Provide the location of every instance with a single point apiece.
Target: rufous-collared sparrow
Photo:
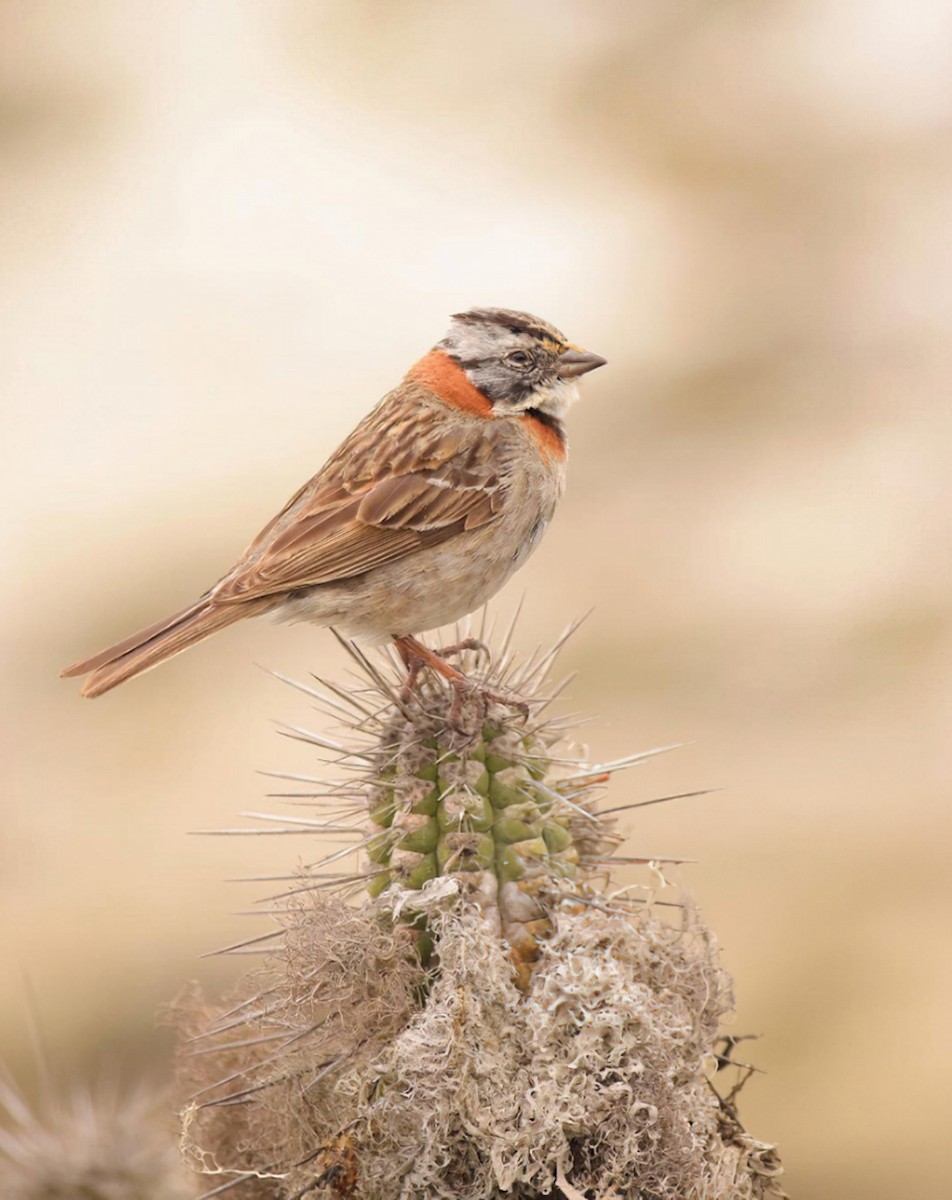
(424, 512)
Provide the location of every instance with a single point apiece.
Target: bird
(421, 515)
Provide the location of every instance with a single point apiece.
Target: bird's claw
(461, 647)
(416, 656)
(466, 689)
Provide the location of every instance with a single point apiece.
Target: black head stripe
(516, 322)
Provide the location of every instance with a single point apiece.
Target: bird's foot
(469, 643)
(467, 693)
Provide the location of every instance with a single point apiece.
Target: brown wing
(397, 484)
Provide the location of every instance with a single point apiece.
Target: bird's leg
(413, 668)
(416, 656)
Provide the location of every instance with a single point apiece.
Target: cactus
(483, 810)
(490, 1018)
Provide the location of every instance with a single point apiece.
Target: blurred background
(227, 227)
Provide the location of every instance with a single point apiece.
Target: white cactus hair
(354, 1063)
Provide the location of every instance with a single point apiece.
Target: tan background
(227, 227)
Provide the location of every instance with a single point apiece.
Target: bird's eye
(519, 358)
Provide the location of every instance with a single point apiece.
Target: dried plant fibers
(492, 1020)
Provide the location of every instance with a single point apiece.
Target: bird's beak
(575, 361)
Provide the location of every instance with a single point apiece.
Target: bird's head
(520, 363)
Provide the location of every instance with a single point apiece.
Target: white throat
(556, 398)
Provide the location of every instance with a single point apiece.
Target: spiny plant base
(492, 1019)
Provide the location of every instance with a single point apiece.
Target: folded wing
(341, 525)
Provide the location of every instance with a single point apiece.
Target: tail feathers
(156, 643)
